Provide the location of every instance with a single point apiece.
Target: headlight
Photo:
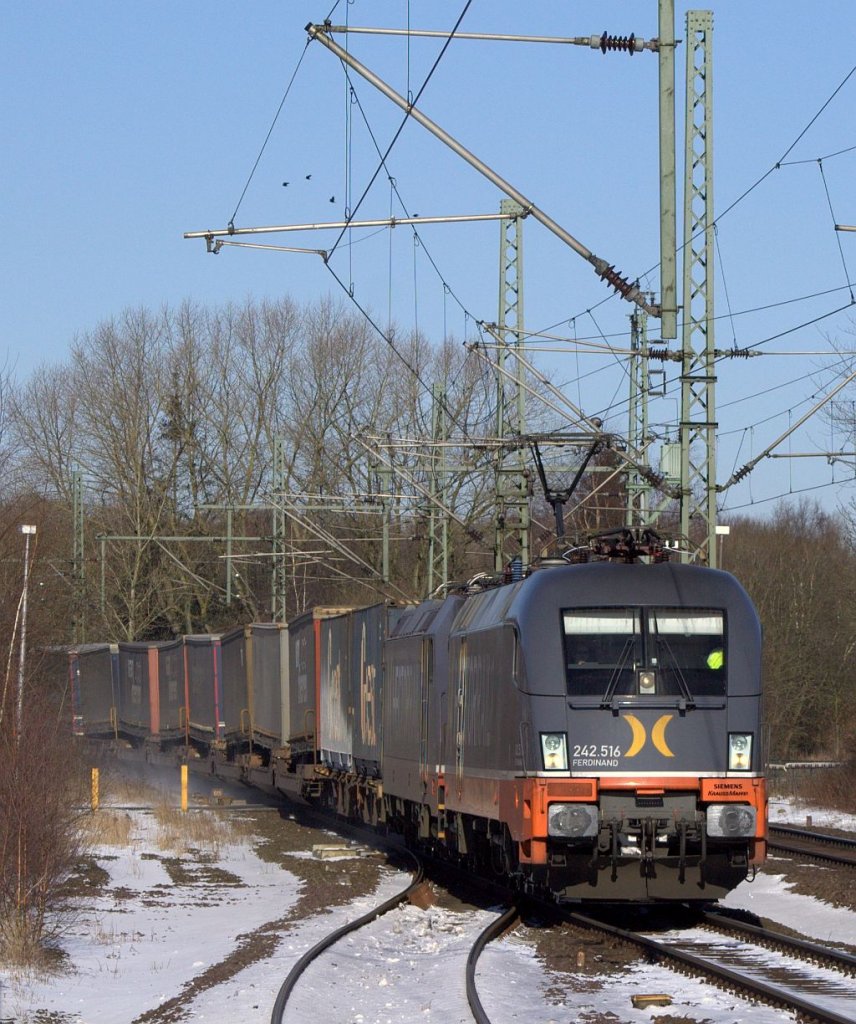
(554, 748)
(739, 751)
(730, 821)
(572, 821)
(647, 682)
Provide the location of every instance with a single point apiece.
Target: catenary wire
(404, 121)
(447, 289)
(394, 187)
(829, 156)
(776, 166)
(729, 314)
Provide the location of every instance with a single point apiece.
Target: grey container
(369, 629)
(337, 709)
(267, 679)
(151, 689)
(202, 656)
(235, 702)
(95, 691)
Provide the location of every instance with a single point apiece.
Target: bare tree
(801, 572)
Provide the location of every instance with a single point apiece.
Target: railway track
(319, 948)
(495, 928)
(688, 956)
(736, 968)
(820, 846)
(824, 956)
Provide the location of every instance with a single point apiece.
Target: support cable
(270, 132)
(730, 314)
(387, 337)
(834, 222)
(398, 195)
(778, 497)
(769, 391)
(447, 288)
(829, 156)
(404, 121)
(781, 162)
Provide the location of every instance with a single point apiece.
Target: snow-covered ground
(153, 930)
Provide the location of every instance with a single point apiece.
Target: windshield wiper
(682, 683)
(609, 696)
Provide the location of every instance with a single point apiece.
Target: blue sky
(127, 124)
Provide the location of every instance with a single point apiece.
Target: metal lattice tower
(438, 520)
(668, 233)
(78, 569)
(698, 422)
(638, 488)
(279, 579)
(511, 522)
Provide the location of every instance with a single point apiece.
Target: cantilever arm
(604, 270)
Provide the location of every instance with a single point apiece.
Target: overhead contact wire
(394, 186)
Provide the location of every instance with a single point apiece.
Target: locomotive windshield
(645, 651)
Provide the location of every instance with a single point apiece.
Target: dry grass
(177, 831)
(180, 832)
(117, 788)
(106, 827)
(20, 947)
(832, 787)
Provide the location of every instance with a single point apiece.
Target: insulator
(614, 279)
(608, 42)
(665, 354)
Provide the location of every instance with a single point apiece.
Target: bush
(42, 796)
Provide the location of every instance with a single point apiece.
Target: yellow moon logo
(638, 730)
(658, 735)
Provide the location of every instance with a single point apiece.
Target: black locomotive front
(634, 695)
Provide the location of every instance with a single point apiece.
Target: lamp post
(722, 532)
(28, 531)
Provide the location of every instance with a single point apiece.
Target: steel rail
(810, 845)
(734, 979)
(819, 837)
(294, 974)
(493, 930)
(845, 962)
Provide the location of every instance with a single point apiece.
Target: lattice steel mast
(511, 517)
(438, 520)
(698, 382)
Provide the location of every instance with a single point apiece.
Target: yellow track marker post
(184, 787)
(95, 795)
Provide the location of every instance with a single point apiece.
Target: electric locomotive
(592, 731)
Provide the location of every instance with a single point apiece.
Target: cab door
(459, 718)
